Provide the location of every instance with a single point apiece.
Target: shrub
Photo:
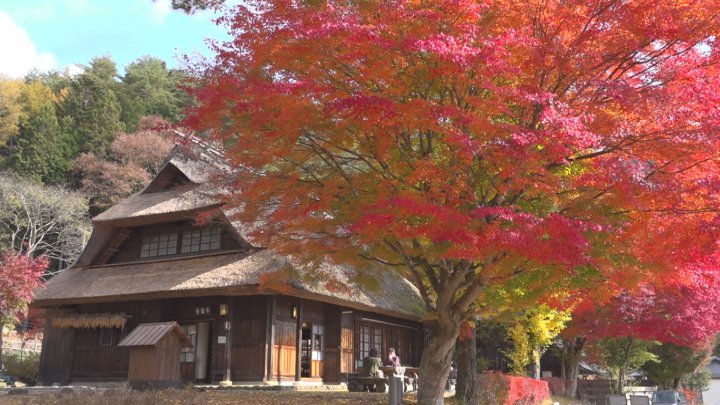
(556, 385)
(25, 368)
(497, 388)
(527, 391)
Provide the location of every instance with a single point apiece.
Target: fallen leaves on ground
(195, 397)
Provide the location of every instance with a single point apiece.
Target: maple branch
(419, 283)
(382, 261)
(430, 273)
(472, 292)
(328, 157)
(698, 163)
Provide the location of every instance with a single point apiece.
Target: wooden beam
(113, 245)
(269, 337)
(205, 292)
(298, 340)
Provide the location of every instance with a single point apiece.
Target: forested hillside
(49, 119)
(72, 145)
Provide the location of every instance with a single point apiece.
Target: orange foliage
(481, 148)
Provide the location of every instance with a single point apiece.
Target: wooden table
(390, 370)
(410, 377)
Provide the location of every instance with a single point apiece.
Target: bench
(357, 383)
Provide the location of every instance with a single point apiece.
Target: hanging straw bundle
(90, 321)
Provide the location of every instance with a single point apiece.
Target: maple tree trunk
(436, 359)
(2, 344)
(572, 382)
(466, 350)
(572, 353)
(621, 372)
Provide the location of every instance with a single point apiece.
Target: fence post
(395, 393)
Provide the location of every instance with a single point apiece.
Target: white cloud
(74, 69)
(19, 55)
(160, 10)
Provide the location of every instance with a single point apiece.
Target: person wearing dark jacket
(371, 368)
(371, 364)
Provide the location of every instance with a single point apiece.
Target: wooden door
(347, 345)
(284, 349)
(317, 344)
(202, 351)
(187, 354)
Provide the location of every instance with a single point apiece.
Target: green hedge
(24, 367)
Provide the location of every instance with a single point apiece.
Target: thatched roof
(181, 199)
(218, 274)
(223, 274)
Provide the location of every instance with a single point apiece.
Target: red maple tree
(680, 309)
(20, 276)
(473, 146)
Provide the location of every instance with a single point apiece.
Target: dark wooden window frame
(159, 247)
(204, 239)
(188, 354)
(210, 245)
(382, 336)
(107, 337)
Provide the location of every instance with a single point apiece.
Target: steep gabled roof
(213, 274)
(196, 161)
(181, 199)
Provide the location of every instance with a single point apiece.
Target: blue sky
(57, 34)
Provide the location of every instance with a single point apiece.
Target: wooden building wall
(57, 353)
(264, 338)
(96, 355)
(333, 344)
(248, 338)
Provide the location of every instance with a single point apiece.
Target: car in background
(11, 381)
(669, 398)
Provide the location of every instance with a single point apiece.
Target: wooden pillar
(298, 340)
(269, 337)
(228, 338)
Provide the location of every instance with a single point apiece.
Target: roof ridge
(194, 140)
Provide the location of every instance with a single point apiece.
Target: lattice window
(107, 337)
(201, 240)
(317, 342)
(399, 339)
(159, 245)
(187, 354)
(368, 337)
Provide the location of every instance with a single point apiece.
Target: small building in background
(712, 395)
(155, 355)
